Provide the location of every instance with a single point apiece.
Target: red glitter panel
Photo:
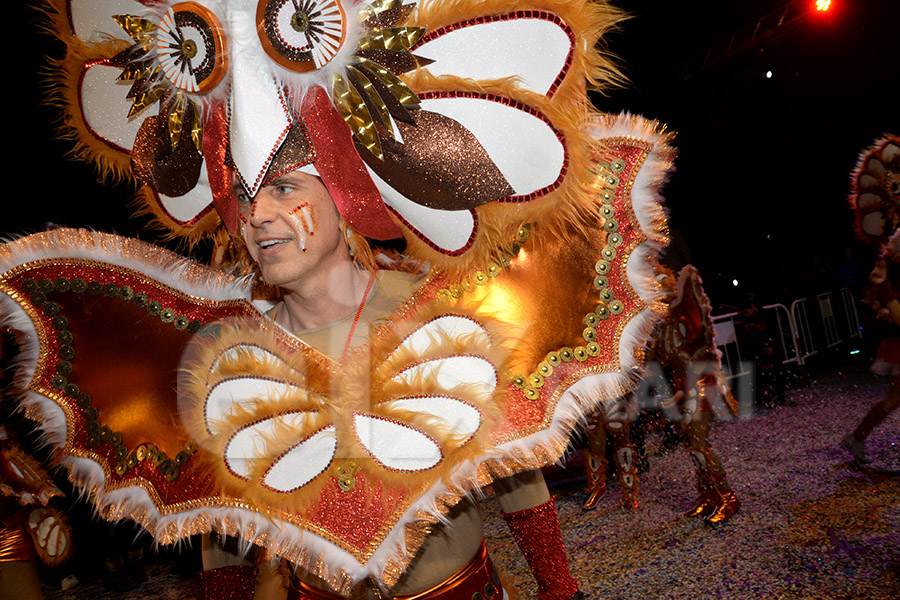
(357, 517)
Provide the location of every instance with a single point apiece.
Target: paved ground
(811, 526)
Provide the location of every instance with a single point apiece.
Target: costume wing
(100, 344)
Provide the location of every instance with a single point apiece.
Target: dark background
(760, 190)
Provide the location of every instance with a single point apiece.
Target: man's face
(292, 229)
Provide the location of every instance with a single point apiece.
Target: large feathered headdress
(449, 123)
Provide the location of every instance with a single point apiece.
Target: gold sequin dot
(45, 286)
(611, 225)
(609, 253)
(554, 359)
(589, 334)
(522, 234)
(608, 195)
(62, 284)
(167, 315)
(602, 267)
(602, 311)
(616, 307)
(493, 270)
(590, 319)
(519, 381)
(126, 293)
(617, 165)
(566, 354)
(611, 180)
(615, 239)
(580, 353)
(608, 211)
(480, 277)
(121, 468)
(110, 290)
(141, 453)
(593, 349)
(78, 285)
(607, 296)
(544, 368)
(536, 380)
(531, 393)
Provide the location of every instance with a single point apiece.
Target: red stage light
(823, 5)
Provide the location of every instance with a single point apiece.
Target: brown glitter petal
(170, 172)
(296, 150)
(390, 17)
(440, 165)
(394, 60)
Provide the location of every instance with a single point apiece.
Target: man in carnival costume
(343, 427)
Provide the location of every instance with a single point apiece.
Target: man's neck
(335, 293)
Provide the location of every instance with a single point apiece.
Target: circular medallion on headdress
(301, 35)
(192, 48)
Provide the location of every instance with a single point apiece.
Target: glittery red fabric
(229, 583)
(537, 533)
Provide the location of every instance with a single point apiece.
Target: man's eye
(285, 189)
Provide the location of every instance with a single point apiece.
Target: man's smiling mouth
(270, 243)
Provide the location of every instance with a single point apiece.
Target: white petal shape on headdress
(92, 21)
(505, 48)
(448, 230)
(100, 97)
(260, 120)
(461, 417)
(396, 446)
(192, 205)
(302, 463)
(443, 327)
(524, 147)
(249, 443)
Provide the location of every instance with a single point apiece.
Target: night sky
(763, 167)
